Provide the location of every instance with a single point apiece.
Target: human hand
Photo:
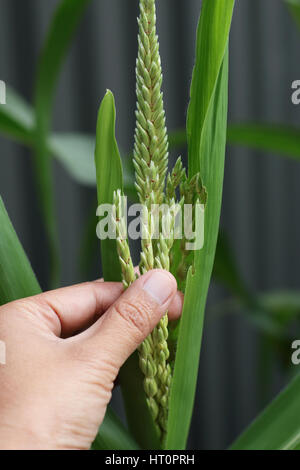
(64, 351)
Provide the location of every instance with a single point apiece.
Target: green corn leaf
(190, 332)
(89, 244)
(59, 37)
(294, 7)
(277, 139)
(275, 314)
(109, 177)
(16, 117)
(284, 305)
(212, 39)
(278, 427)
(17, 279)
(113, 435)
(206, 129)
(62, 28)
(75, 152)
(226, 271)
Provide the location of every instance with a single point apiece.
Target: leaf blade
(212, 35)
(294, 7)
(109, 177)
(207, 140)
(277, 139)
(113, 435)
(75, 152)
(17, 279)
(17, 117)
(278, 427)
(62, 28)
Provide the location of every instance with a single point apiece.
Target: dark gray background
(261, 194)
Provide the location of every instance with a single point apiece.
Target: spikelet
(151, 141)
(146, 349)
(151, 163)
(128, 274)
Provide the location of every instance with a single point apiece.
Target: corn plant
(158, 411)
(31, 126)
(206, 134)
(166, 395)
(151, 164)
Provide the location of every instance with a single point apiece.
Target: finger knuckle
(136, 315)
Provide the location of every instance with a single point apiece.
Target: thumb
(131, 318)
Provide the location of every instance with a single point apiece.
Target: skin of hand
(64, 349)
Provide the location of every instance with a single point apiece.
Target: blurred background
(241, 368)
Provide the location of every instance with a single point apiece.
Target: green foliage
(17, 280)
(206, 130)
(31, 127)
(278, 139)
(278, 427)
(284, 305)
(51, 59)
(109, 180)
(294, 7)
(275, 139)
(113, 435)
(109, 177)
(272, 313)
(75, 153)
(17, 118)
(226, 271)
